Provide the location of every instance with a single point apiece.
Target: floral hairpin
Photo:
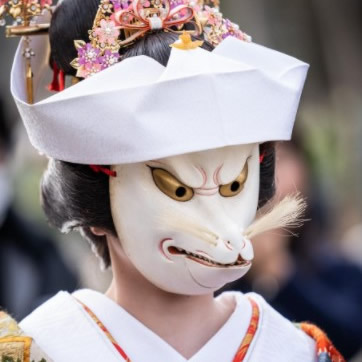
(103, 49)
(147, 15)
(119, 23)
(216, 28)
(134, 19)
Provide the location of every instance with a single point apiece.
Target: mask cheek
(136, 223)
(147, 249)
(157, 267)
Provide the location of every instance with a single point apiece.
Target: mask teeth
(238, 262)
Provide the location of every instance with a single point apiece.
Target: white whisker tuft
(286, 214)
(183, 224)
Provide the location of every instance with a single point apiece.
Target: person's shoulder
(279, 338)
(15, 344)
(52, 321)
(287, 341)
(66, 332)
(55, 329)
(50, 314)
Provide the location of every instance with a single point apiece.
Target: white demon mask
(181, 220)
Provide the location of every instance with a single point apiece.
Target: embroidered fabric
(326, 351)
(15, 346)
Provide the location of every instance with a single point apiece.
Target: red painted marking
(216, 175)
(162, 250)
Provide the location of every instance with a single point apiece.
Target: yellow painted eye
(234, 188)
(170, 186)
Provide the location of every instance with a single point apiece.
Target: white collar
(65, 331)
(138, 341)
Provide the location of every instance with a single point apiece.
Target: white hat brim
(138, 110)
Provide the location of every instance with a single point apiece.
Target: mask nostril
(228, 244)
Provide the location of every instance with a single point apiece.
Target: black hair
(267, 173)
(73, 195)
(6, 131)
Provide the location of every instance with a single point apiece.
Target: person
(31, 267)
(161, 157)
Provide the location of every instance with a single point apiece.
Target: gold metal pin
(185, 42)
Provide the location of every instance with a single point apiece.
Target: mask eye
(234, 188)
(170, 186)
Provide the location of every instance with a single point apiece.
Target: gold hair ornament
(119, 23)
(23, 13)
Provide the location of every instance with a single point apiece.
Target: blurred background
(314, 276)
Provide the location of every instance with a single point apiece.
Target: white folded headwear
(139, 110)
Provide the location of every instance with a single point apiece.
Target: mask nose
(234, 240)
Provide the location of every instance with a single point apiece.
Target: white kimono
(67, 333)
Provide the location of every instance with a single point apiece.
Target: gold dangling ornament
(23, 13)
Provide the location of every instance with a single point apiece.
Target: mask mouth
(204, 260)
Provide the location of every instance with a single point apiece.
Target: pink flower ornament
(107, 33)
(108, 59)
(146, 3)
(89, 69)
(88, 54)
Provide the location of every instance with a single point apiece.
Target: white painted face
(181, 219)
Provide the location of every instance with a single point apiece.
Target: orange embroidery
(323, 343)
(106, 332)
(250, 334)
(17, 348)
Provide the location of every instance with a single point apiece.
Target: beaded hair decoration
(119, 23)
(23, 14)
